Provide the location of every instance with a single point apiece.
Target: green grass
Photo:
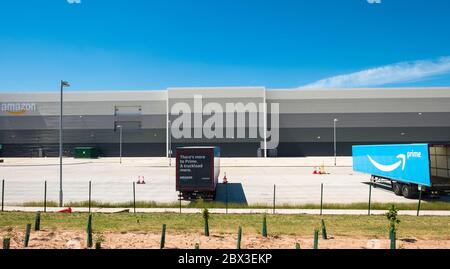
(432, 205)
(424, 227)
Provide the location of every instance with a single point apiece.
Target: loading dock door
(128, 110)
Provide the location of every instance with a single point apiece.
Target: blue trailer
(406, 166)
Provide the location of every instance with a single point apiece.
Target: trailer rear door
(440, 166)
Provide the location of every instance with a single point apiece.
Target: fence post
(420, 198)
(264, 226)
(6, 243)
(392, 236)
(274, 190)
(45, 196)
(163, 237)
(179, 198)
(321, 198)
(89, 232)
(226, 198)
(324, 230)
(90, 188)
(316, 238)
(37, 221)
(3, 193)
(205, 214)
(239, 237)
(370, 198)
(27, 235)
(134, 196)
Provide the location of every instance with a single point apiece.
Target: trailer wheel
(409, 191)
(397, 188)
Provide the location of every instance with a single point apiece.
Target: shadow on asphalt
(385, 186)
(236, 194)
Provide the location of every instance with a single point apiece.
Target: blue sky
(133, 44)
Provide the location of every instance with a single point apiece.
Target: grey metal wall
(90, 119)
(230, 146)
(365, 116)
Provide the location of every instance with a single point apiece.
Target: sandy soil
(47, 239)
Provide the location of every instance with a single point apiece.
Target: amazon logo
(390, 167)
(17, 109)
(402, 159)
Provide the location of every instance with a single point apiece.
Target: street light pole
(334, 131)
(63, 84)
(120, 143)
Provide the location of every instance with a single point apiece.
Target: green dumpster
(85, 152)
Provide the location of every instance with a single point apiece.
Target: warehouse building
(303, 122)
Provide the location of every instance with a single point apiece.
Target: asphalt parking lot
(251, 180)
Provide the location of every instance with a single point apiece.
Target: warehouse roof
(219, 92)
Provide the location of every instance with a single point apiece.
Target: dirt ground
(47, 239)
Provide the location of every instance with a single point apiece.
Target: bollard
(37, 222)
(3, 193)
(163, 237)
(297, 245)
(324, 230)
(27, 235)
(6, 243)
(197, 246)
(89, 231)
(264, 226)
(98, 245)
(45, 196)
(205, 214)
(370, 198)
(321, 198)
(239, 236)
(420, 198)
(316, 238)
(134, 197)
(392, 236)
(90, 196)
(274, 189)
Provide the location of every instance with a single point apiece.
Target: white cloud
(394, 73)
(74, 1)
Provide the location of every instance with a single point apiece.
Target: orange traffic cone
(322, 170)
